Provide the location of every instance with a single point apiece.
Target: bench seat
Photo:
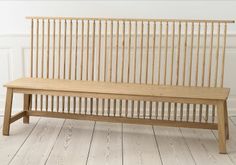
(109, 88)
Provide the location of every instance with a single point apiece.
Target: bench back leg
(27, 99)
(221, 127)
(226, 120)
(8, 109)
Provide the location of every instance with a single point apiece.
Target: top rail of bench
(132, 19)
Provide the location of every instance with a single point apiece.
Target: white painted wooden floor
(68, 142)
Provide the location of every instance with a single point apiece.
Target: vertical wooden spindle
(76, 60)
(110, 64)
(99, 50)
(32, 48)
(190, 66)
(48, 50)
(128, 63)
(87, 63)
(147, 66)
(223, 56)
(153, 59)
(42, 63)
(99, 60)
(178, 55)
(141, 59)
(209, 66)
(159, 64)
(70, 62)
(177, 67)
(64, 62)
(81, 61)
(37, 61)
(196, 70)
(153, 51)
(129, 52)
(172, 53)
(216, 67)
(123, 53)
(105, 63)
(92, 67)
(184, 65)
(203, 66)
(105, 53)
(122, 62)
(159, 54)
(141, 53)
(172, 63)
(217, 56)
(122, 65)
(147, 52)
(31, 55)
(134, 63)
(116, 61)
(53, 59)
(117, 50)
(165, 64)
(166, 51)
(59, 60)
(93, 49)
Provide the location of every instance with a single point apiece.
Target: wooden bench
(141, 71)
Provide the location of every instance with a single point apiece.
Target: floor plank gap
(24, 141)
(90, 142)
(54, 142)
(157, 145)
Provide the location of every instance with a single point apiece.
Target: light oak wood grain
(232, 142)
(160, 72)
(120, 88)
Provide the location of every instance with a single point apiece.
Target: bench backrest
(159, 51)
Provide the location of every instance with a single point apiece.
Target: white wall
(14, 28)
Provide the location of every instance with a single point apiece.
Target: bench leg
(221, 127)
(27, 100)
(7, 115)
(226, 120)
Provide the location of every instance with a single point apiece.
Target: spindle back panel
(147, 51)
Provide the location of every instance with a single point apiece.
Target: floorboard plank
(72, 145)
(204, 147)
(106, 145)
(19, 132)
(37, 147)
(172, 146)
(139, 145)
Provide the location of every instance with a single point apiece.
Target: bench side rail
(147, 51)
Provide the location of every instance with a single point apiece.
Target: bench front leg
(8, 109)
(26, 106)
(221, 127)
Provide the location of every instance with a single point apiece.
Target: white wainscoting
(14, 61)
